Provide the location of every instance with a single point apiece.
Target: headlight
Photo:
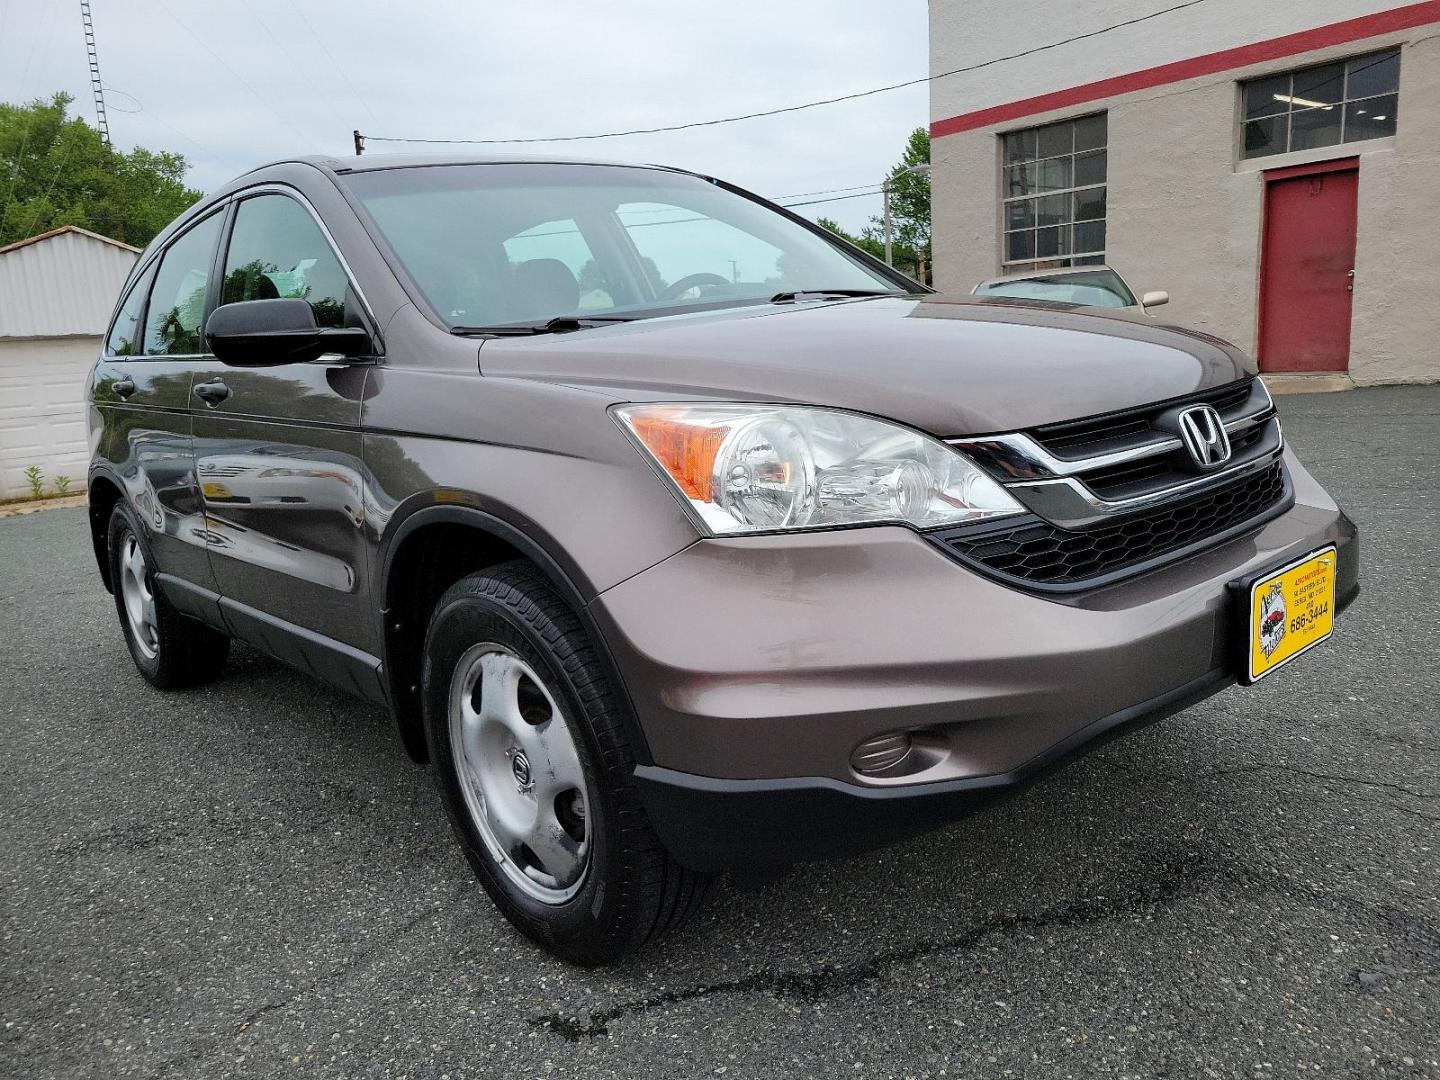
(761, 468)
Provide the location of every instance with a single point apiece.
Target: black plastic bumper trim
(709, 823)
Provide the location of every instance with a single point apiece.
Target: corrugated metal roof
(60, 284)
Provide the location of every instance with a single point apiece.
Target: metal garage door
(42, 415)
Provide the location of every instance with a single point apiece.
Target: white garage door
(42, 414)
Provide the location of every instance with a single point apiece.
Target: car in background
(1076, 286)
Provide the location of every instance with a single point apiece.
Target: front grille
(1101, 434)
(1132, 478)
(1043, 554)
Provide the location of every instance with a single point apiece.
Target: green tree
(873, 245)
(872, 241)
(909, 214)
(592, 280)
(910, 205)
(56, 170)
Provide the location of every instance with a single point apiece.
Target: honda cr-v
(676, 533)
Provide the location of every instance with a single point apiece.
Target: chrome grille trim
(1046, 465)
(1003, 455)
(1070, 504)
(1055, 487)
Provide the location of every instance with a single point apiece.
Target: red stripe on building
(1322, 37)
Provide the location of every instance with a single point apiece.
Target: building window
(1341, 102)
(1054, 185)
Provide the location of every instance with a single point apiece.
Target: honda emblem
(1203, 433)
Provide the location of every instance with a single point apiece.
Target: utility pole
(359, 142)
(885, 187)
(96, 86)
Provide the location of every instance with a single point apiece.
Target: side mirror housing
(267, 333)
(1154, 299)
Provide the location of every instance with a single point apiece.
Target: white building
(1274, 166)
(56, 294)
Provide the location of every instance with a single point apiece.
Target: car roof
(377, 162)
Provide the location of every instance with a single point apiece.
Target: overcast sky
(231, 85)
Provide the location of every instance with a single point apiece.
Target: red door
(1306, 267)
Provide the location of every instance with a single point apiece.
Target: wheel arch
(423, 555)
(103, 493)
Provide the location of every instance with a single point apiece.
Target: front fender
(455, 448)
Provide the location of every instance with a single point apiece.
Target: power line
(837, 198)
(806, 105)
(237, 76)
(295, 65)
(25, 137)
(40, 206)
(339, 68)
(826, 191)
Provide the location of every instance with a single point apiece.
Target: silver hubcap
(139, 601)
(520, 773)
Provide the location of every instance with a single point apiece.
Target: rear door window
(174, 324)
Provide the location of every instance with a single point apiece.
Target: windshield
(498, 245)
(1094, 288)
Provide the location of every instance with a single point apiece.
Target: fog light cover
(881, 754)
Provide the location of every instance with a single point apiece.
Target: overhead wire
(339, 68)
(805, 105)
(25, 138)
(237, 76)
(295, 64)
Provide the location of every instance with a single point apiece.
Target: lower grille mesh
(1046, 554)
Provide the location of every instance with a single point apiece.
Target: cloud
(254, 80)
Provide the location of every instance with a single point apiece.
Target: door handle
(1350, 280)
(123, 386)
(212, 392)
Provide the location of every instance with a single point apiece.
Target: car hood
(947, 365)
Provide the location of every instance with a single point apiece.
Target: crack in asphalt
(200, 1050)
(1177, 879)
(1409, 938)
(1267, 766)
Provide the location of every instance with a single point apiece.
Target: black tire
(632, 890)
(182, 652)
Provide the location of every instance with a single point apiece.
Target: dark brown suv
(677, 534)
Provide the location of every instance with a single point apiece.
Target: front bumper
(757, 665)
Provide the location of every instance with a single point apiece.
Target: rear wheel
(169, 650)
(525, 732)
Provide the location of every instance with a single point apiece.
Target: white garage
(56, 293)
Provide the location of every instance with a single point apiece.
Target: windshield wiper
(559, 324)
(821, 294)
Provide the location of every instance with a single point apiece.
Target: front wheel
(525, 732)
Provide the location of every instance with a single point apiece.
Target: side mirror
(267, 333)
(1154, 299)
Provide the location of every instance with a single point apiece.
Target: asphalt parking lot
(251, 880)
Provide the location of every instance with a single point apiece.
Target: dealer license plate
(1291, 610)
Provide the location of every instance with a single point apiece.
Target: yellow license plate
(1291, 610)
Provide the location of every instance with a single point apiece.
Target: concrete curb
(1325, 382)
(34, 506)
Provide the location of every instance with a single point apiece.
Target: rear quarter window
(124, 338)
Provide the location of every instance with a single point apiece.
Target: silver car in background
(1077, 286)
